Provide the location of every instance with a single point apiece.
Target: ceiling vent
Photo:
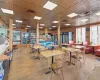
(31, 11)
(64, 21)
(25, 20)
(86, 13)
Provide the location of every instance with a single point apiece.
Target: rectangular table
(71, 50)
(77, 43)
(65, 44)
(38, 48)
(93, 48)
(78, 47)
(51, 53)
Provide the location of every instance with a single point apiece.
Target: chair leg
(62, 74)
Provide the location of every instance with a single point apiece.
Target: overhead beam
(3, 23)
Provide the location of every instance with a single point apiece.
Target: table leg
(38, 54)
(93, 51)
(70, 59)
(50, 68)
(52, 59)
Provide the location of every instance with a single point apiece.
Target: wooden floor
(25, 67)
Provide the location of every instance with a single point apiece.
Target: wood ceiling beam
(3, 23)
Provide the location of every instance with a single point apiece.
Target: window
(16, 37)
(99, 34)
(70, 36)
(3, 31)
(95, 34)
(80, 34)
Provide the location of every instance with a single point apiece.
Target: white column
(37, 32)
(10, 33)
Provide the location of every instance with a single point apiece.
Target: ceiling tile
(69, 3)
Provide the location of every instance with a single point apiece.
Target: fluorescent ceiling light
(55, 22)
(7, 11)
(67, 24)
(28, 26)
(42, 24)
(72, 15)
(83, 20)
(37, 17)
(13, 24)
(19, 21)
(41, 27)
(98, 13)
(53, 26)
(50, 6)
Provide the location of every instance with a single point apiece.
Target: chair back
(71, 43)
(85, 43)
(97, 47)
(59, 60)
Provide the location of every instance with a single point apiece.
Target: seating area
(49, 39)
(97, 50)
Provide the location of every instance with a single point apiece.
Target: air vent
(64, 20)
(25, 20)
(31, 11)
(86, 13)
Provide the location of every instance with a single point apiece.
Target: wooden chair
(66, 54)
(79, 56)
(57, 67)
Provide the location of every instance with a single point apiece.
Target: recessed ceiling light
(84, 20)
(19, 21)
(42, 24)
(55, 22)
(7, 11)
(98, 13)
(53, 26)
(28, 26)
(67, 24)
(41, 27)
(13, 24)
(72, 15)
(37, 17)
(14, 27)
(50, 5)
(50, 28)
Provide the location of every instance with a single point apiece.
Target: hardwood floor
(25, 67)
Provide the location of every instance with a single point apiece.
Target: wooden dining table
(38, 48)
(79, 47)
(93, 46)
(64, 44)
(71, 50)
(51, 53)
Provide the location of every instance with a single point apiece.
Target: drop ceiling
(64, 8)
